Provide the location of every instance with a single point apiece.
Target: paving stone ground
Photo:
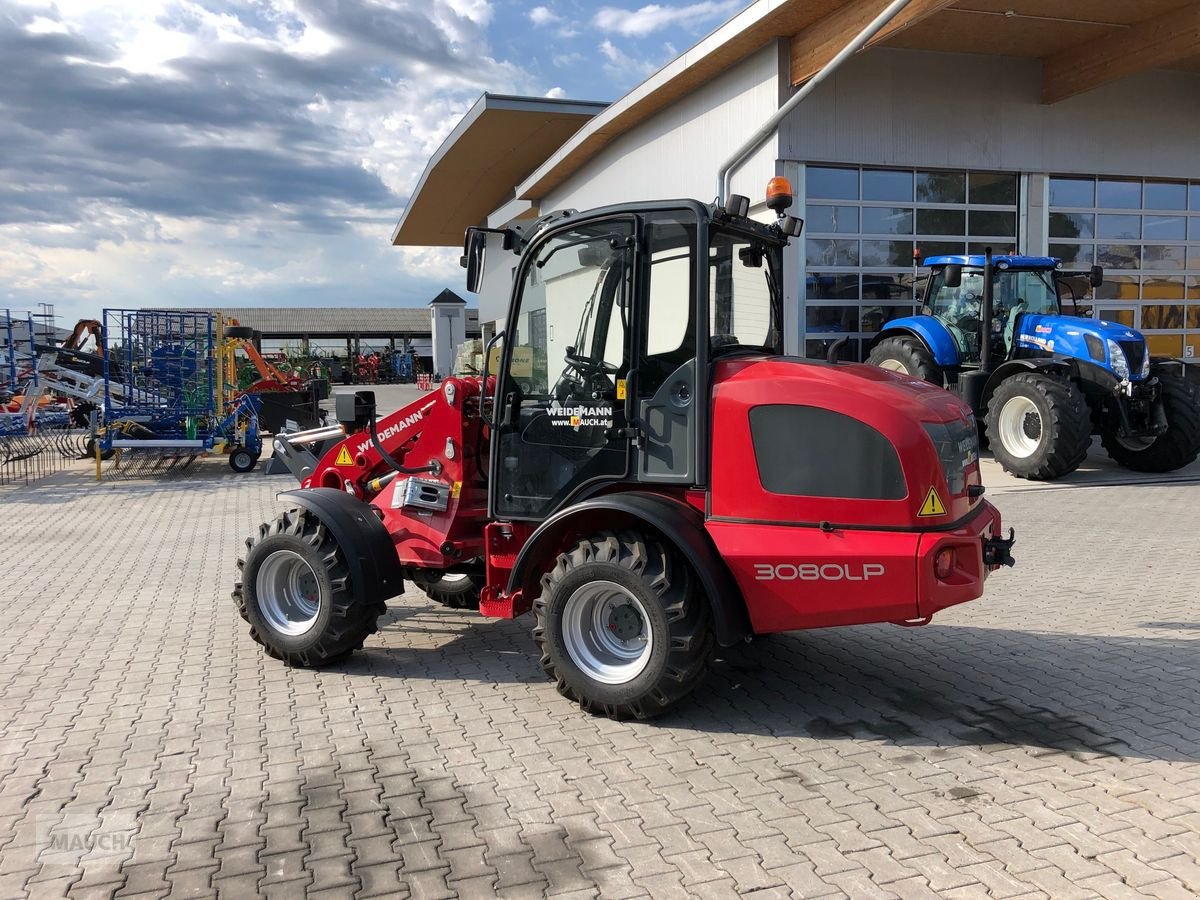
(1042, 742)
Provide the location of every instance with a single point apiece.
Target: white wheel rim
(607, 632)
(1021, 427)
(894, 365)
(288, 594)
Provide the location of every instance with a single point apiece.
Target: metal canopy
(499, 142)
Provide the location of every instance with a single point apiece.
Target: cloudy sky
(180, 153)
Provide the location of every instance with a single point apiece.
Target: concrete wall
(902, 107)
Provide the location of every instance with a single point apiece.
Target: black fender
(1167, 365)
(1063, 366)
(676, 522)
(370, 554)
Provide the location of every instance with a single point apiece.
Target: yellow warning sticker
(344, 458)
(456, 490)
(620, 388)
(933, 505)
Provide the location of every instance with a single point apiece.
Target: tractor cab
(1020, 286)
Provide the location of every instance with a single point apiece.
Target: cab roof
(1010, 261)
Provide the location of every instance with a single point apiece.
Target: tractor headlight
(1146, 363)
(1116, 356)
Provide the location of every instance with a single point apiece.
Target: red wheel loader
(646, 472)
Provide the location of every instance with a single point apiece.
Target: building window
(867, 231)
(1146, 234)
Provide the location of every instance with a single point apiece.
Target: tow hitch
(997, 550)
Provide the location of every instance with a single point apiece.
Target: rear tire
(294, 589)
(241, 332)
(620, 628)
(907, 355)
(1174, 449)
(457, 591)
(1038, 426)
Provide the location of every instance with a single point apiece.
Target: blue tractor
(993, 331)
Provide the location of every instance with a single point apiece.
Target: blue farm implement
(162, 403)
(1041, 382)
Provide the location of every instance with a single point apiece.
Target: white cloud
(556, 93)
(312, 104)
(623, 68)
(541, 15)
(655, 17)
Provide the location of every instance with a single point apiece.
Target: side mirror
(474, 250)
(1097, 274)
(592, 256)
(953, 275)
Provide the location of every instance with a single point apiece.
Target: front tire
(294, 589)
(908, 356)
(1175, 448)
(620, 628)
(1038, 427)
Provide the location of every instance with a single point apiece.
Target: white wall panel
(901, 107)
(677, 152)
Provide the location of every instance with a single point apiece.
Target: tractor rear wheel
(908, 356)
(241, 332)
(1038, 426)
(294, 589)
(620, 628)
(456, 590)
(1173, 449)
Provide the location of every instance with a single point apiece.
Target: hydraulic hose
(433, 468)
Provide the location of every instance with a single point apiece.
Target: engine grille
(1135, 352)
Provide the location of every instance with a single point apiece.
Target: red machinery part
(442, 427)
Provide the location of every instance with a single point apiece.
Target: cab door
(560, 423)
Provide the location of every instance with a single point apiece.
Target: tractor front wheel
(908, 356)
(294, 589)
(456, 590)
(1175, 448)
(1038, 426)
(620, 628)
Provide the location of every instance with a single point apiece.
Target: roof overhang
(498, 142)
(1082, 44)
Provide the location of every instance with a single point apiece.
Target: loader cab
(615, 317)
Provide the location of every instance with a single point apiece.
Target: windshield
(745, 306)
(1033, 289)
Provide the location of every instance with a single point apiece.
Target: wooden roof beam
(1162, 41)
(816, 45)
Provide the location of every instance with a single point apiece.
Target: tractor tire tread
(1070, 422)
(913, 354)
(462, 594)
(1179, 446)
(352, 619)
(687, 611)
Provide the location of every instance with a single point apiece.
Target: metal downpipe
(725, 176)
